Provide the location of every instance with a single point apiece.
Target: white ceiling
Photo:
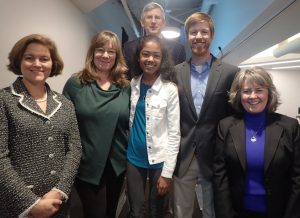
(283, 25)
(87, 6)
(279, 21)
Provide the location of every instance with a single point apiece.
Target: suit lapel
(238, 136)
(186, 85)
(213, 79)
(27, 102)
(273, 134)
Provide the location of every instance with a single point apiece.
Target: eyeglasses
(101, 51)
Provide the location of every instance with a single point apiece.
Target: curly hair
(16, 54)
(119, 69)
(256, 75)
(166, 71)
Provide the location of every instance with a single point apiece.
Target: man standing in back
(203, 82)
(152, 21)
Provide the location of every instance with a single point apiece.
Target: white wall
(288, 85)
(58, 19)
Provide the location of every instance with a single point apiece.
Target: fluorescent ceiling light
(269, 63)
(170, 32)
(286, 67)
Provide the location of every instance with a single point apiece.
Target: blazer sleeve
(293, 204)
(13, 192)
(222, 200)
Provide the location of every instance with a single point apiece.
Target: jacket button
(52, 172)
(149, 147)
(51, 155)
(50, 139)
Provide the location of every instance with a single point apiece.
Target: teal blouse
(103, 119)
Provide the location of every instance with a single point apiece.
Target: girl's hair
(165, 70)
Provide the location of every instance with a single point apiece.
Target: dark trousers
(100, 201)
(253, 214)
(136, 183)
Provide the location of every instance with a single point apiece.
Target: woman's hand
(163, 185)
(53, 195)
(45, 208)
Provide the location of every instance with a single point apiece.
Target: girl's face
(150, 58)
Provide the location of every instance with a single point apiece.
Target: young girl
(154, 127)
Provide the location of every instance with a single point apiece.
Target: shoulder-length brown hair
(16, 54)
(256, 75)
(118, 72)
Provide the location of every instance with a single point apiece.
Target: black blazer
(198, 130)
(281, 167)
(176, 52)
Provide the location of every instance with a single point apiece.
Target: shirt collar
(201, 68)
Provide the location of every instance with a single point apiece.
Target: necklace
(254, 134)
(43, 99)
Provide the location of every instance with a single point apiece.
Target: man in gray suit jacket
(203, 82)
(153, 20)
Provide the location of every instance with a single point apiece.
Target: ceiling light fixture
(269, 63)
(171, 32)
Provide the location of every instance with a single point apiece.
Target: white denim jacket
(162, 122)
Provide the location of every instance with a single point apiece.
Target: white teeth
(253, 103)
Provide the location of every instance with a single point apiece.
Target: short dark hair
(165, 70)
(16, 54)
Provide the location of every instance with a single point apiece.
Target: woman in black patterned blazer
(40, 146)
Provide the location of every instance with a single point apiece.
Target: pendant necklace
(254, 134)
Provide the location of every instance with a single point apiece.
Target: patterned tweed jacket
(38, 151)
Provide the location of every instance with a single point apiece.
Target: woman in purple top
(257, 154)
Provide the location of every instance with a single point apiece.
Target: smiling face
(153, 21)
(199, 39)
(150, 59)
(105, 57)
(254, 97)
(36, 64)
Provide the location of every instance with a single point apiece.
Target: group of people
(202, 121)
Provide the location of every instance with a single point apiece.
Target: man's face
(199, 38)
(153, 22)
